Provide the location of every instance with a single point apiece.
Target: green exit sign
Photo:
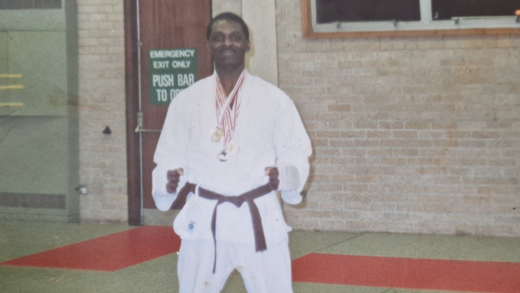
(171, 71)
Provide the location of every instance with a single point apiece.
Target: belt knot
(249, 197)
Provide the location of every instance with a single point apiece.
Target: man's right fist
(173, 179)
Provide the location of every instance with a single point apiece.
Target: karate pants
(263, 272)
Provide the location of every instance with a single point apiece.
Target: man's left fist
(273, 174)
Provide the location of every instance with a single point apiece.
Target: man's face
(227, 44)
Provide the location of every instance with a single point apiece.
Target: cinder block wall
(102, 103)
(416, 134)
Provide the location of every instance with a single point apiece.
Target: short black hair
(231, 17)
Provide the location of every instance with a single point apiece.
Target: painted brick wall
(414, 135)
(102, 104)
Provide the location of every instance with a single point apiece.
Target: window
(408, 17)
(328, 11)
(449, 9)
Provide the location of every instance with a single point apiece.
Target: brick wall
(414, 135)
(102, 104)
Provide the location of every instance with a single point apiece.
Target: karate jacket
(269, 132)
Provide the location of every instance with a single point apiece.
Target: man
(231, 140)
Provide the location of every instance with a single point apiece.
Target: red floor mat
(454, 275)
(108, 253)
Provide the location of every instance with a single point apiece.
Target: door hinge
(139, 127)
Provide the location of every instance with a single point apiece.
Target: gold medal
(216, 134)
(232, 148)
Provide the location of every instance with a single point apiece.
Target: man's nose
(227, 41)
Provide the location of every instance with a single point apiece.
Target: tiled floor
(19, 239)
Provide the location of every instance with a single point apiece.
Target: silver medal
(223, 156)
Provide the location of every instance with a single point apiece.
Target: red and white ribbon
(225, 118)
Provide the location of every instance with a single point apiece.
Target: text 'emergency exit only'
(171, 71)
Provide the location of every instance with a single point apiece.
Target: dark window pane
(367, 10)
(446, 9)
(42, 201)
(30, 4)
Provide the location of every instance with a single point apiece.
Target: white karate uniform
(263, 272)
(269, 132)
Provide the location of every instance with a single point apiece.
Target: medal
(232, 147)
(227, 118)
(223, 156)
(216, 134)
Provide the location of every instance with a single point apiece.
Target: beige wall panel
(260, 17)
(219, 6)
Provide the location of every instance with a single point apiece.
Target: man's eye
(236, 37)
(216, 38)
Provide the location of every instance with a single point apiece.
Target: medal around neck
(223, 156)
(232, 147)
(216, 134)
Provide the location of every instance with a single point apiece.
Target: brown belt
(248, 197)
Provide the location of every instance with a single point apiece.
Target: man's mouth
(227, 52)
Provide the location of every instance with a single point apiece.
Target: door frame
(132, 101)
(133, 86)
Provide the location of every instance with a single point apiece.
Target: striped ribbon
(225, 119)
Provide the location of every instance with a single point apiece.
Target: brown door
(162, 24)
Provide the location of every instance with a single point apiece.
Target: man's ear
(248, 46)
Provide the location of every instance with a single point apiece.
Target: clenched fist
(173, 179)
(273, 174)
